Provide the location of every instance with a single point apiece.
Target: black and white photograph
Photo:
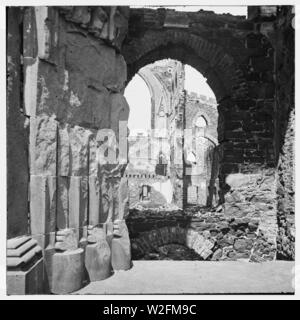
(150, 149)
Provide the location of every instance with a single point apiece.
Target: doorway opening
(172, 170)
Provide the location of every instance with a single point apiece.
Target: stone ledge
(22, 252)
(25, 267)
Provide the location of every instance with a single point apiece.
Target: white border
(3, 153)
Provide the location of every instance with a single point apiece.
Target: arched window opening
(166, 98)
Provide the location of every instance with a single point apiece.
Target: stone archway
(237, 62)
(211, 60)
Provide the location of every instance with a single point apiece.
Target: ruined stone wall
(74, 79)
(238, 62)
(69, 85)
(285, 109)
(211, 235)
(276, 23)
(200, 105)
(17, 131)
(201, 177)
(161, 190)
(165, 80)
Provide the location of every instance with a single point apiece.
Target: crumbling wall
(160, 194)
(17, 131)
(201, 176)
(74, 79)
(285, 109)
(276, 23)
(212, 235)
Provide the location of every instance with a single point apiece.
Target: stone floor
(197, 277)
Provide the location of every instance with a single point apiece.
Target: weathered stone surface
(67, 271)
(74, 77)
(116, 81)
(94, 200)
(123, 193)
(119, 112)
(211, 235)
(98, 261)
(109, 23)
(78, 206)
(120, 247)
(63, 150)
(95, 60)
(98, 255)
(43, 145)
(62, 202)
(30, 48)
(79, 143)
(66, 240)
(25, 270)
(43, 208)
(26, 282)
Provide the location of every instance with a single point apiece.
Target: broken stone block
(117, 80)
(106, 209)
(25, 270)
(79, 142)
(62, 202)
(198, 244)
(42, 207)
(206, 253)
(119, 25)
(94, 110)
(67, 271)
(43, 145)
(94, 200)
(93, 154)
(98, 261)
(98, 255)
(120, 247)
(98, 18)
(191, 238)
(109, 232)
(123, 192)
(80, 14)
(66, 239)
(119, 111)
(96, 60)
(78, 202)
(217, 255)
(63, 150)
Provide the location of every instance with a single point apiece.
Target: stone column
(115, 188)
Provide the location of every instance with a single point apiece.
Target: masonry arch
(211, 60)
(235, 76)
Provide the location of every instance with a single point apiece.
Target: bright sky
(194, 81)
(138, 97)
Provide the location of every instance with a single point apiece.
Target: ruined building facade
(150, 163)
(157, 174)
(67, 68)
